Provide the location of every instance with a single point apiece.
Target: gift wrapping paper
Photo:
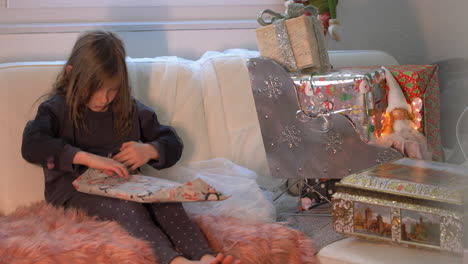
(359, 92)
(145, 189)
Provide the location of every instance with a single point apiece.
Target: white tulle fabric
(247, 200)
(210, 104)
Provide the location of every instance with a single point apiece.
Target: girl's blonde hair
(96, 56)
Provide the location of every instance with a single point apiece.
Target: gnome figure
(399, 125)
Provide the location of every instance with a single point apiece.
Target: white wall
(186, 31)
(189, 44)
(413, 31)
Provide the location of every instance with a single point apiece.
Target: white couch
(208, 101)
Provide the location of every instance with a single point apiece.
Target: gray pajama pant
(165, 226)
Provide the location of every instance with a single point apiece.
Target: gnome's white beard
(403, 126)
(407, 139)
(405, 129)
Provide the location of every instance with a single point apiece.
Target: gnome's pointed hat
(396, 98)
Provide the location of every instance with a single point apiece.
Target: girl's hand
(107, 165)
(134, 154)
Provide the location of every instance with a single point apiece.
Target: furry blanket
(41, 233)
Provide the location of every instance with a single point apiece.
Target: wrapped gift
(359, 93)
(422, 81)
(145, 189)
(406, 202)
(294, 42)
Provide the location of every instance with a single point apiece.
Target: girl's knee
(167, 206)
(120, 209)
(130, 207)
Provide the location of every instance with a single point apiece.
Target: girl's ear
(68, 68)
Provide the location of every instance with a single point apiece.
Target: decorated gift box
(421, 81)
(362, 94)
(407, 202)
(294, 39)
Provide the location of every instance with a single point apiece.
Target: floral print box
(407, 202)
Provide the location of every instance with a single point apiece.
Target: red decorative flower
(330, 89)
(317, 90)
(325, 18)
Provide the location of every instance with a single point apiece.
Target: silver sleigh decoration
(312, 143)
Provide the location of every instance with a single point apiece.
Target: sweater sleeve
(163, 138)
(42, 143)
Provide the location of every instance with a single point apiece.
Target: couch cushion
(172, 87)
(20, 86)
(232, 123)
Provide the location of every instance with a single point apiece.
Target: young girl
(90, 117)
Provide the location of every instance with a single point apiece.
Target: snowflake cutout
(291, 136)
(333, 141)
(273, 87)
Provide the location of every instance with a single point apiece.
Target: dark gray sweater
(52, 137)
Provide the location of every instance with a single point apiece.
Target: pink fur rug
(41, 233)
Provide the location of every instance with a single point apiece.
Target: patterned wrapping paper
(145, 189)
(361, 92)
(422, 81)
(407, 202)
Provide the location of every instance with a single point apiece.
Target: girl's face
(103, 97)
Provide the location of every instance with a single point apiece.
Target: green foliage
(321, 5)
(345, 97)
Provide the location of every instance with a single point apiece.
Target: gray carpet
(315, 223)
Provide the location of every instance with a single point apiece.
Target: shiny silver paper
(359, 93)
(299, 146)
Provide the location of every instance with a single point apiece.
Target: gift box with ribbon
(295, 39)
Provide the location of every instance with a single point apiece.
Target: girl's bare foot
(207, 259)
(219, 259)
(210, 259)
(180, 260)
